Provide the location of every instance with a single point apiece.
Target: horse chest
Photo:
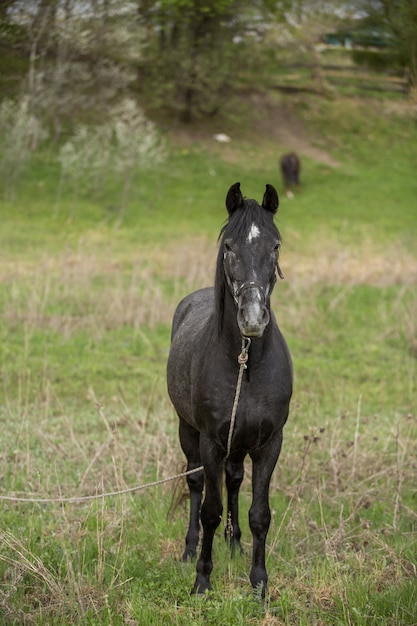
(258, 413)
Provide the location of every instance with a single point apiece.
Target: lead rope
(98, 496)
(242, 360)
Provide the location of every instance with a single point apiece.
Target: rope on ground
(97, 496)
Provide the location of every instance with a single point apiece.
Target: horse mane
(236, 227)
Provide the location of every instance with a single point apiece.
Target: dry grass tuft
(331, 264)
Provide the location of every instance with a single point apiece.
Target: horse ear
(234, 198)
(270, 201)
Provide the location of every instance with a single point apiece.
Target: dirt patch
(268, 122)
(277, 122)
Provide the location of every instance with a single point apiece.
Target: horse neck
(230, 330)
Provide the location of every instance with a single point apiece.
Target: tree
(81, 55)
(194, 50)
(305, 22)
(399, 19)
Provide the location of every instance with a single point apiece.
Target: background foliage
(180, 57)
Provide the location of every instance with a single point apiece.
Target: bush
(376, 60)
(20, 132)
(127, 142)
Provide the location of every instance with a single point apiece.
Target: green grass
(85, 324)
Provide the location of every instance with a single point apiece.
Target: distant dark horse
(202, 373)
(290, 168)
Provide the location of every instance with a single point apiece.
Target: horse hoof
(259, 592)
(189, 555)
(201, 588)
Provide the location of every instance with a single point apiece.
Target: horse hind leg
(190, 440)
(234, 477)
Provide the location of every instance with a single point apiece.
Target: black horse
(207, 333)
(290, 169)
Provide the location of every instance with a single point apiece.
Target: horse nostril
(265, 316)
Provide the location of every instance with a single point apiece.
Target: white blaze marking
(254, 232)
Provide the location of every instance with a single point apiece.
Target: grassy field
(85, 324)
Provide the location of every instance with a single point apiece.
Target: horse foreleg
(211, 513)
(234, 477)
(260, 514)
(190, 438)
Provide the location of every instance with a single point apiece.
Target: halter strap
(247, 285)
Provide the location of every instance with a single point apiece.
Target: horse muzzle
(252, 314)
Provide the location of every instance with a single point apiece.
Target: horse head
(250, 247)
